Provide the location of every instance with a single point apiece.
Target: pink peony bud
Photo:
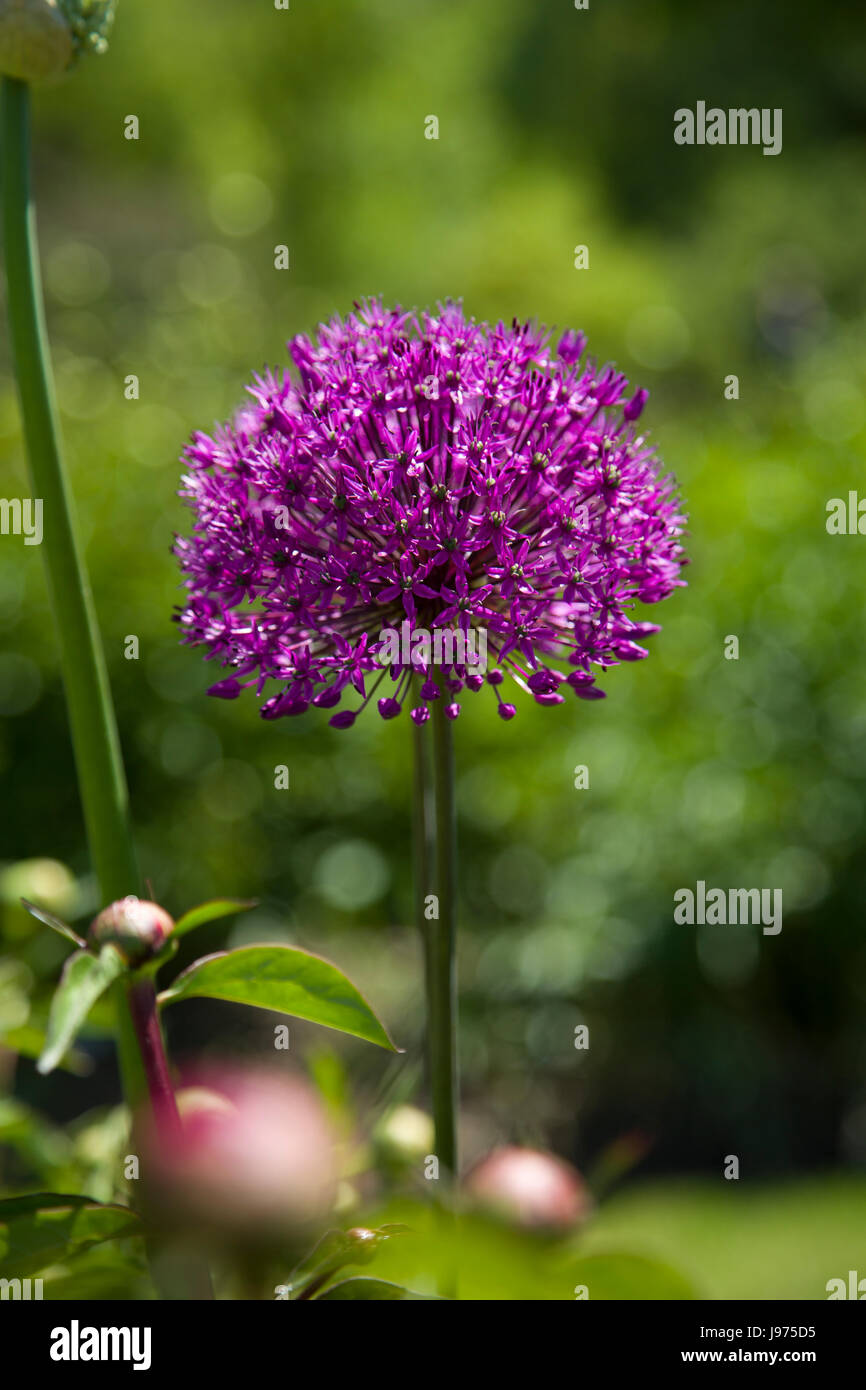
(533, 1189)
(138, 929)
(254, 1159)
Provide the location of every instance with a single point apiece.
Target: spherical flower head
(138, 929)
(428, 498)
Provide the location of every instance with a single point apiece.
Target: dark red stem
(145, 1017)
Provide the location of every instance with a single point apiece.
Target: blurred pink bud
(533, 1189)
(255, 1157)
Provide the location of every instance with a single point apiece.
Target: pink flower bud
(138, 929)
(634, 408)
(254, 1159)
(533, 1189)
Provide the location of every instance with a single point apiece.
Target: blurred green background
(306, 128)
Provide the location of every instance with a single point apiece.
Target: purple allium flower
(426, 472)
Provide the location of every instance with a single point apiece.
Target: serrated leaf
(364, 1287)
(55, 923)
(44, 1228)
(209, 912)
(285, 980)
(85, 977)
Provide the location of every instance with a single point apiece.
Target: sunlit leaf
(42, 915)
(85, 977)
(285, 980)
(209, 912)
(481, 1259)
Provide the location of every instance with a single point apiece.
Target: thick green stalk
(422, 847)
(442, 962)
(91, 715)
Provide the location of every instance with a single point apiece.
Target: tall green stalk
(422, 846)
(91, 714)
(442, 947)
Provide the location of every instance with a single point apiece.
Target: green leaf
(114, 1270)
(152, 967)
(54, 922)
(85, 977)
(379, 1289)
(335, 1250)
(46, 1227)
(286, 980)
(497, 1262)
(209, 912)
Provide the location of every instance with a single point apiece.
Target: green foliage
(736, 1240)
(85, 978)
(333, 1253)
(43, 1228)
(286, 981)
(489, 1260)
(49, 920)
(208, 912)
(362, 1288)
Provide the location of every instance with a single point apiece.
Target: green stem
(423, 848)
(442, 964)
(91, 715)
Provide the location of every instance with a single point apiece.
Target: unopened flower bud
(404, 1135)
(36, 42)
(138, 929)
(254, 1161)
(634, 408)
(363, 1243)
(533, 1189)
